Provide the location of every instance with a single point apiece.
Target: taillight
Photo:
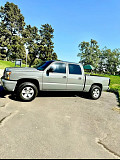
(109, 82)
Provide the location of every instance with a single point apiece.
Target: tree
(11, 18)
(46, 45)
(17, 46)
(11, 24)
(54, 56)
(109, 60)
(116, 59)
(32, 40)
(40, 43)
(102, 60)
(14, 36)
(89, 53)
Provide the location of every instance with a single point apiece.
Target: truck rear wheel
(95, 92)
(27, 91)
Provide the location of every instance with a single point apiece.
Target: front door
(56, 78)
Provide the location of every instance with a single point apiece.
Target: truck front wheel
(95, 92)
(27, 91)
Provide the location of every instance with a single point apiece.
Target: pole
(26, 58)
(26, 53)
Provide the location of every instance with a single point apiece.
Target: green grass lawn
(4, 64)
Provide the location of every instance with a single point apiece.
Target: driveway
(60, 126)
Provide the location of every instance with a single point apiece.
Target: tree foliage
(39, 42)
(17, 46)
(12, 19)
(14, 36)
(11, 26)
(32, 40)
(47, 45)
(105, 60)
(89, 53)
(109, 60)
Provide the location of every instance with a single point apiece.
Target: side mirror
(49, 70)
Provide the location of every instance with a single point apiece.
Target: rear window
(74, 69)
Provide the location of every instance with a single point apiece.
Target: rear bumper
(8, 85)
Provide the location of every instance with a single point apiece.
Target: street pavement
(60, 126)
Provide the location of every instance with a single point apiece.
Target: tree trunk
(32, 61)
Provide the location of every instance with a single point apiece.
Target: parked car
(52, 76)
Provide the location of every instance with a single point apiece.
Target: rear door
(75, 81)
(57, 79)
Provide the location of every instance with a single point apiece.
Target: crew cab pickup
(52, 76)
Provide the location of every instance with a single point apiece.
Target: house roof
(89, 67)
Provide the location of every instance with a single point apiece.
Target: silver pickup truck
(52, 76)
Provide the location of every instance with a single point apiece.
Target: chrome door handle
(79, 78)
(64, 76)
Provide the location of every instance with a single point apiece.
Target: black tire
(27, 91)
(95, 92)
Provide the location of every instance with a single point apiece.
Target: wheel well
(34, 81)
(97, 84)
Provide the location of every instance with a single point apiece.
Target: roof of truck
(64, 61)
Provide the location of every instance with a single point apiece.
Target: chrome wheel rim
(96, 93)
(27, 92)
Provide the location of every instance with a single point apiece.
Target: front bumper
(8, 84)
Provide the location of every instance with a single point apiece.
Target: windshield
(43, 65)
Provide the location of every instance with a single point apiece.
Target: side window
(74, 69)
(59, 67)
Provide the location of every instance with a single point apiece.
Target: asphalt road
(60, 126)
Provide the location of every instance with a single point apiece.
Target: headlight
(7, 75)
